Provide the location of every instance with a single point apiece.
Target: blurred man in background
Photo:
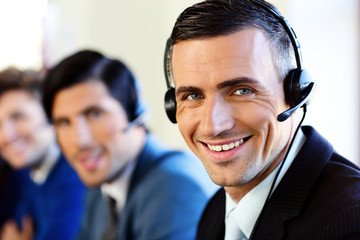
(140, 189)
(52, 199)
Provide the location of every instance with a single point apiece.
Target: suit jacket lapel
(212, 223)
(293, 190)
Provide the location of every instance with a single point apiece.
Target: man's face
(25, 134)
(89, 124)
(228, 97)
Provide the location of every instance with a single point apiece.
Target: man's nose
(83, 133)
(217, 116)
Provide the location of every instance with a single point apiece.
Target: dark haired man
(158, 194)
(53, 195)
(236, 94)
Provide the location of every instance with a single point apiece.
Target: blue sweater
(56, 206)
(11, 183)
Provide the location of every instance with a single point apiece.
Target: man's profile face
(228, 96)
(89, 124)
(24, 132)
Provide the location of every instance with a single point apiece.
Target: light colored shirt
(40, 174)
(247, 211)
(118, 189)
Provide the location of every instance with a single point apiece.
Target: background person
(52, 199)
(94, 104)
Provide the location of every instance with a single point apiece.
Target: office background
(37, 33)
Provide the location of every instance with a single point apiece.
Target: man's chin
(92, 182)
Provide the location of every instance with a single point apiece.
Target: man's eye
(18, 116)
(61, 124)
(94, 113)
(193, 96)
(243, 91)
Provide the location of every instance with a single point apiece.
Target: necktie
(110, 232)
(232, 230)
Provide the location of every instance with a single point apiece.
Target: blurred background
(38, 33)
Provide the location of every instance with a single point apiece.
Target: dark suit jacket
(166, 197)
(318, 198)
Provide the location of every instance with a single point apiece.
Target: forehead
(79, 97)
(15, 100)
(246, 52)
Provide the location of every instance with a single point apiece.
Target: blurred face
(228, 97)
(89, 125)
(24, 133)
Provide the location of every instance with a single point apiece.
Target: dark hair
(214, 18)
(89, 65)
(13, 78)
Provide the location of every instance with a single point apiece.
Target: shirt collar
(41, 173)
(250, 206)
(118, 189)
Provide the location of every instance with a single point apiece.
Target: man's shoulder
(174, 171)
(63, 172)
(340, 181)
(173, 174)
(335, 171)
(320, 190)
(161, 164)
(62, 180)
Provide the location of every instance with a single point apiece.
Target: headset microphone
(139, 120)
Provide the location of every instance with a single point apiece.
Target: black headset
(298, 85)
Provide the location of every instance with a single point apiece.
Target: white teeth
(90, 156)
(225, 147)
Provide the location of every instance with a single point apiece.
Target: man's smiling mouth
(228, 146)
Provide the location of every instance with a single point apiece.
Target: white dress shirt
(118, 189)
(250, 206)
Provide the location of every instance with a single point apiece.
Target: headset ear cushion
(170, 104)
(303, 84)
(291, 87)
(295, 86)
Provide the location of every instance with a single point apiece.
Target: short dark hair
(214, 18)
(12, 78)
(89, 65)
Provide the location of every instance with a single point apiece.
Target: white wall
(136, 32)
(329, 32)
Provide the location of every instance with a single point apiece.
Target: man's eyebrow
(89, 109)
(181, 90)
(227, 83)
(237, 81)
(57, 120)
(85, 112)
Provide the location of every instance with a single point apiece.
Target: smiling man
(236, 88)
(53, 196)
(155, 193)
